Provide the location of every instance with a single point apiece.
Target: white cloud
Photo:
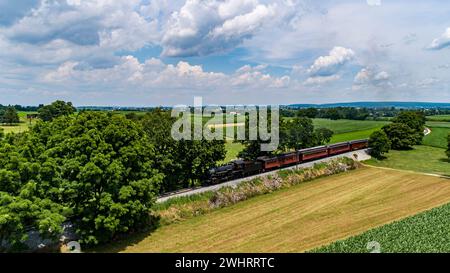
(441, 42)
(255, 77)
(205, 27)
(321, 80)
(330, 64)
(58, 31)
(371, 77)
(155, 74)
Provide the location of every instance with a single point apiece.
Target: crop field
(425, 232)
(422, 158)
(353, 135)
(302, 217)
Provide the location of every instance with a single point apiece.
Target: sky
(165, 52)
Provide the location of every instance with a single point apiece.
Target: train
(243, 168)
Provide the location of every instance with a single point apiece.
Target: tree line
(352, 113)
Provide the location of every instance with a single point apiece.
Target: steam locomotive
(243, 168)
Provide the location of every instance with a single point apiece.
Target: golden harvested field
(302, 217)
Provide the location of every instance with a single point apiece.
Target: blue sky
(158, 52)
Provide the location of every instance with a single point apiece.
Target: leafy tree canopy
(93, 169)
(379, 144)
(401, 136)
(9, 115)
(56, 109)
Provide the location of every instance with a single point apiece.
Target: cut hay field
(302, 217)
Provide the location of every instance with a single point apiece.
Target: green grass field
(353, 135)
(437, 137)
(20, 127)
(422, 158)
(300, 218)
(233, 150)
(347, 126)
(425, 232)
(441, 124)
(346, 130)
(439, 118)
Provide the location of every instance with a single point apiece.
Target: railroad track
(361, 156)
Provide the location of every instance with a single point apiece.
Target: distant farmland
(302, 217)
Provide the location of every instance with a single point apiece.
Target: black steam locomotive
(243, 168)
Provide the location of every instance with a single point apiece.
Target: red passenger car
(269, 163)
(289, 159)
(339, 148)
(312, 153)
(359, 144)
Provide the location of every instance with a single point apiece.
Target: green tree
(94, 169)
(18, 214)
(308, 112)
(323, 136)
(10, 116)
(56, 109)
(401, 136)
(333, 114)
(379, 144)
(448, 150)
(297, 133)
(184, 163)
(415, 120)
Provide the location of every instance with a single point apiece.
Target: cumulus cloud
(328, 65)
(80, 29)
(204, 27)
(441, 42)
(255, 76)
(153, 73)
(371, 77)
(325, 69)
